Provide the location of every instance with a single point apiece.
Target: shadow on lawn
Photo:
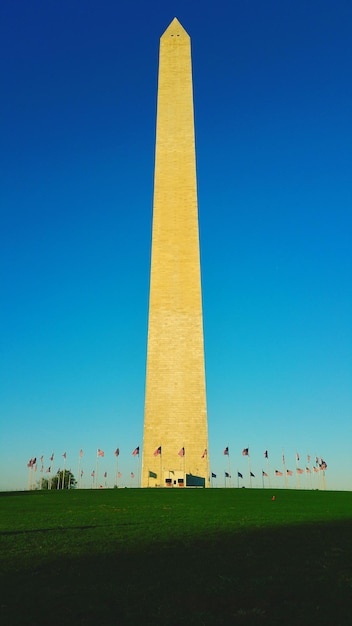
(299, 574)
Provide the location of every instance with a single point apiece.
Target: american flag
(204, 454)
(181, 452)
(132, 475)
(157, 451)
(100, 452)
(265, 454)
(227, 475)
(245, 452)
(299, 470)
(81, 453)
(136, 451)
(278, 473)
(226, 451)
(289, 472)
(265, 474)
(117, 452)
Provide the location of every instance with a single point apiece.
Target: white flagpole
(284, 465)
(249, 469)
(96, 472)
(298, 481)
(184, 466)
(310, 471)
(79, 470)
(34, 475)
(63, 473)
(268, 465)
(51, 468)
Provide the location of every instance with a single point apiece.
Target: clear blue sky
(273, 102)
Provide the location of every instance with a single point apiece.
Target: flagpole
(323, 480)
(284, 464)
(184, 465)
(96, 472)
(310, 473)
(30, 477)
(117, 452)
(51, 468)
(249, 469)
(79, 469)
(63, 473)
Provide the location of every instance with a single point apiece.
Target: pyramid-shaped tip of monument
(175, 30)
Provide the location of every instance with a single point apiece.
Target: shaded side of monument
(175, 447)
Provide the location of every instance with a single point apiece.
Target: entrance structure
(175, 448)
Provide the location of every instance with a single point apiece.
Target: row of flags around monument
(32, 463)
(319, 465)
(33, 466)
(319, 462)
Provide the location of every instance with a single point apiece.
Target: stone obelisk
(175, 447)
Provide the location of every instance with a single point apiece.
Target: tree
(63, 479)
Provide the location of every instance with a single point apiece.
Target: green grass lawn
(173, 557)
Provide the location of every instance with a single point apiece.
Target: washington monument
(175, 448)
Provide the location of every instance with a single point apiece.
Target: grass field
(173, 557)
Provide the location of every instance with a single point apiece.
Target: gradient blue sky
(273, 96)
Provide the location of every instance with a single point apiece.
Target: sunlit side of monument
(175, 447)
